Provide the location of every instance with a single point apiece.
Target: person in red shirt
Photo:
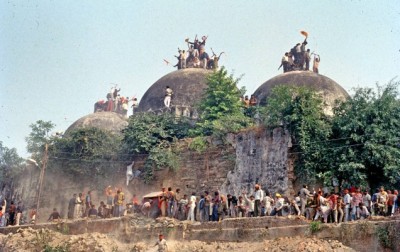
(333, 205)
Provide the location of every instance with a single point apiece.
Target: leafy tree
(87, 151)
(367, 127)
(146, 130)
(155, 135)
(220, 104)
(301, 111)
(88, 143)
(11, 164)
(38, 138)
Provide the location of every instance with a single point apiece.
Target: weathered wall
(253, 156)
(261, 158)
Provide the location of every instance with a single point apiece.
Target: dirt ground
(29, 239)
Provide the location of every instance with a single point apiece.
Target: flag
(304, 33)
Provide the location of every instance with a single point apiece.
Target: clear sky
(58, 57)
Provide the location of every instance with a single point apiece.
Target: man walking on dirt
(162, 244)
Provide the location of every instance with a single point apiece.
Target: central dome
(323, 85)
(188, 86)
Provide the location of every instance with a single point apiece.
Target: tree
(155, 135)
(146, 130)
(221, 106)
(38, 138)
(367, 127)
(88, 153)
(300, 110)
(10, 162)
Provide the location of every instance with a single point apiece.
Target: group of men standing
(196, 56)
(12, 216)
(80, 207)
(298, 58)
(116, 103)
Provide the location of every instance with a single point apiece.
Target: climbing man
(168, 96)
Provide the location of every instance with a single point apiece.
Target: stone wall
(261, 158)
(253, 156)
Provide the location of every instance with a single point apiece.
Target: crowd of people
(12, 215)
(196, 56)
(116, 103)
(298, 58)
(329, 207)
(113, 206)
(334, 207)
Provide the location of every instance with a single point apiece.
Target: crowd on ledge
(328, 207)
(116, 103)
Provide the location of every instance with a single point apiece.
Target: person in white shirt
(251, 203)
(192, 205)
(258, 197)
(363, 211)
(161, 244)
(323, 208)
(268, 202)
(347, 201)
(279, 204)
(366, 200)
(168, 96)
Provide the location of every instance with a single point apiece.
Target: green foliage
(230, 124)
(155, 135)
(88, 144)
(368, 125)
(301, 111)
(11, 164)
(220, 105)
(358, 145)
(38, 137)
(58, 248)
(388, 236)
(315, 226)
(146, 130)
(198, 144)
(163, 155)
(160, 156)
(86, 151)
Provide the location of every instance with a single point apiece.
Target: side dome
(108, 121)
(328, 88)
(188, 86)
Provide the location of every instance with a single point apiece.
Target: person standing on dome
(168, 96)
(285, 62)
(316, 61)
(307, 58)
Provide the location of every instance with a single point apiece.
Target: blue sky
(58, 57)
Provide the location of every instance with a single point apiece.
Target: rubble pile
(304, 245)
(29, 239)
